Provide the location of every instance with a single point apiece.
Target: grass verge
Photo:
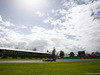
(63, 68)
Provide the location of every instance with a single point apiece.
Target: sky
(68, 25)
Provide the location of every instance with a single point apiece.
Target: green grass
(62, 68)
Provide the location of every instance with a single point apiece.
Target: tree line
(61, 53)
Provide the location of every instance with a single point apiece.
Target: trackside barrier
(9, 57)
(18, 57)
(33, 58)
(26, 58)
(21, 58)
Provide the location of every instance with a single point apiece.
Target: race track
(40, 61)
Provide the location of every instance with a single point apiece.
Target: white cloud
(4, 29)
(69, 4)
(80, 23)
(52, 21)
(72, 3)
(39, 14)
(5, 23)
(78, 31)
(23, 26)
(0, 18)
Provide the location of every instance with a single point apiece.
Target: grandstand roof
(23, 50)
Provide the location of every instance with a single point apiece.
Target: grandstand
(18, 53)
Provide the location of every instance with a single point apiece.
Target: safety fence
(21, 58)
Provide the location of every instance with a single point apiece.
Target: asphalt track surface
(40, 61)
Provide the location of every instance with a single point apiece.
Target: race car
(52, 59)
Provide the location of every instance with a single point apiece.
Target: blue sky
(68, 25)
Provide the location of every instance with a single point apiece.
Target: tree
(53, 52)
(61, 54)
(71, 54)
(47, 51)
(97, 53)
(34, 49)
(57, 55)
(17, 48)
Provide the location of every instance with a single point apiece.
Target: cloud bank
(75, 26)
